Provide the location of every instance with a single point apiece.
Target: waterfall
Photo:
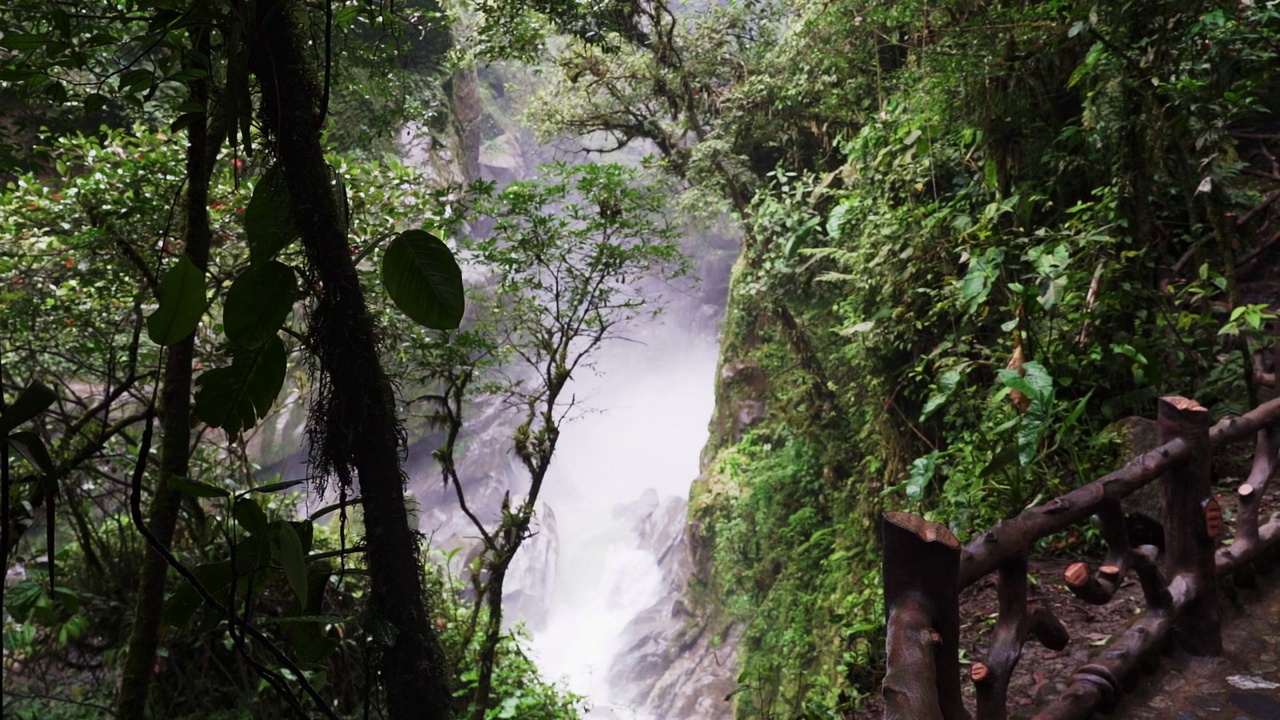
(602, 578)
(637, 445)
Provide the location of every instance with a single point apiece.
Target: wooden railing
(925, 568)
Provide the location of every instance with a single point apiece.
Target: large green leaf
(251, 516)
(946, 387)
(258, 303)
(23, 598)
(423, 279)
(1037, 385)
(922, 470)
(30, 446)
(182, 302)
(235, 398)
(31, 402)
(273, 487)
(294, 561)
(196, 489)
(184, 601)
(268, 221)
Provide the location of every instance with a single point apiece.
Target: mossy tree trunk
(353, 427)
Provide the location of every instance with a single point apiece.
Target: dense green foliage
(1006, 227)
(974, 234)
(72, 298)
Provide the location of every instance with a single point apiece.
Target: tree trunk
(492, 633)
(175, 407)
(353, 425)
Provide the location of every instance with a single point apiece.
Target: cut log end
(1212, 517)
(1076, 574)
(925, 530)
(1183, 404)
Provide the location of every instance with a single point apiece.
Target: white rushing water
(649, 406)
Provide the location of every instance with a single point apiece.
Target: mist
(637, 444)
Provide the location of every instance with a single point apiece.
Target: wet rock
(1249, 682)
(1205, 702)
(1256, 705)
(489, 471)
(747, 413)
(531, 579)
(635, 512)
(662, 533)
(673, 665)
(1253, 643)
(743, 388)
(1144, 509)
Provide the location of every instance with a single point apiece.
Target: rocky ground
(1242, 684)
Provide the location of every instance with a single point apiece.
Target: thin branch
(57, 698)
(1266, 202)
(273, 678)
(328, 61)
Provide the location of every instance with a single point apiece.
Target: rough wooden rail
(925, 568)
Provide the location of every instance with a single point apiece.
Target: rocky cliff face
(675, 662)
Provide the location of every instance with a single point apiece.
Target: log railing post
(1016, 622)
(922, 607)
(1255, 486)
(1189, 547)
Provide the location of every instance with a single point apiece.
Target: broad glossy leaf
(138, 79)
(947, 383)
(1039, 380)
(24, 41)
(294, 562)
(31, 402)
(235, 398)
(251, 516)
(182, 302)
(922, 469)
(19, 74)
(977, 282)
(185, 600)
(1035, 421)
(258, 303)
(274, 487)
(306, 533)
(268, 221)
(30, 446)
(22, 599)
(196, 489)
(424, 280)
